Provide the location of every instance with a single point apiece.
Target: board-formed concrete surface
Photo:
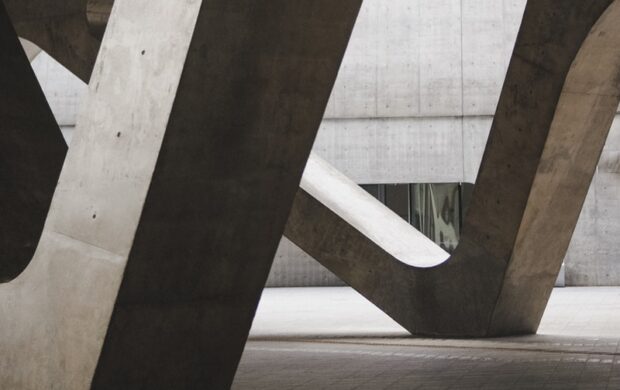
(555, 111)
(199, 120)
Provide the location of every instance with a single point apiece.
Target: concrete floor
(332, 338)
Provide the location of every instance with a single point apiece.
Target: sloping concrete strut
(523, 215)
(173, 197)
(32, 151)
(552, 119)
(61, 28)
(557, 105)
(573, 23)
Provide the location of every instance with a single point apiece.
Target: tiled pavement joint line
(607, 361)
(499, 346)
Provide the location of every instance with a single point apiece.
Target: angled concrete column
(546, 137)
(174, 195)
(32, 50)
(251, 98)
(32, 151)
(61, 28)
(556, 108)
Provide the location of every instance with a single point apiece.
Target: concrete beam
(98, 13)
(60, 28)
(505, 267)
(555, 110)
(174, 195)
(32, 152)
(32, 50)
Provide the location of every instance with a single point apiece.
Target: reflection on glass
(372, 189)
(437, 210)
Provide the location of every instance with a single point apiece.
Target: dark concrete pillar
(32, 151)
(554, 113)
(174, 195)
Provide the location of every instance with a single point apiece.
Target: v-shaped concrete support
(559, 99)
(174, 195)
(142, 187)
(60, 28)
(32, 152)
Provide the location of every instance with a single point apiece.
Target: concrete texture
(58, 309)
(65, 92)
(32, 50)
(553, 117)
(428, 150)
(595, 251)
(545, 143)
(60, 28)
(409, 58)
(400, 143)
(254, 108)
(187, 105)
(292, 267)
(396, 147)
(31, 155)
(450, 138)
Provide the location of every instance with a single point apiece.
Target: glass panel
(436, 212)
(447, 216)
(397, 199)
(372, 189)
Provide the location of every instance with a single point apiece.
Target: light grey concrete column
(54, 316)
(251, 98)
(174, 195)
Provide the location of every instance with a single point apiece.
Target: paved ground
(331, 338)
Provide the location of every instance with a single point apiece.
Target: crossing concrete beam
(173, 197)
(555, 111)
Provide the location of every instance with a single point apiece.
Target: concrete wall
(63, 90)
(594, 254)
(413, 103)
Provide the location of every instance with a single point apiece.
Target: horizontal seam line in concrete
(401, 117)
